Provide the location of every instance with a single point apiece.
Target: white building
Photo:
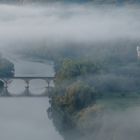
(138, 52)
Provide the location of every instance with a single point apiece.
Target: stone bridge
(6, 82)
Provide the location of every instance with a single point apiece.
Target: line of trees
(6, 68)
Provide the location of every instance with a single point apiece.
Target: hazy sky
(30, 25)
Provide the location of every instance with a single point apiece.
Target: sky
(54, 25)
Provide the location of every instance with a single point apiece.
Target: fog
(115, 124)
(55, 24)
(25, 118)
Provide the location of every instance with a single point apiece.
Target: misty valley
(69, 70)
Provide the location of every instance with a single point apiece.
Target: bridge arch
(26, 84)
(37, 86)
(16, 87)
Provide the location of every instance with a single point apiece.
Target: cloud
(58, 24)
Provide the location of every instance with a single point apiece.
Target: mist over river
(26, 118)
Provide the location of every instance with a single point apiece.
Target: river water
(26, 118)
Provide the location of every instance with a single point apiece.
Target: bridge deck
(20, 77)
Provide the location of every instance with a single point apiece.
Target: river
(26, 118)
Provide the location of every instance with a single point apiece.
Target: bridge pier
(5, 89)
(5, 92)
(48, 86)
(26, 92)
(27, 86)
(27, 82)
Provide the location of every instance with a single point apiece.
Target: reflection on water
(16, 87)
(37, 87)
(25, 119)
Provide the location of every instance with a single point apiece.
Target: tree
(73, 68)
